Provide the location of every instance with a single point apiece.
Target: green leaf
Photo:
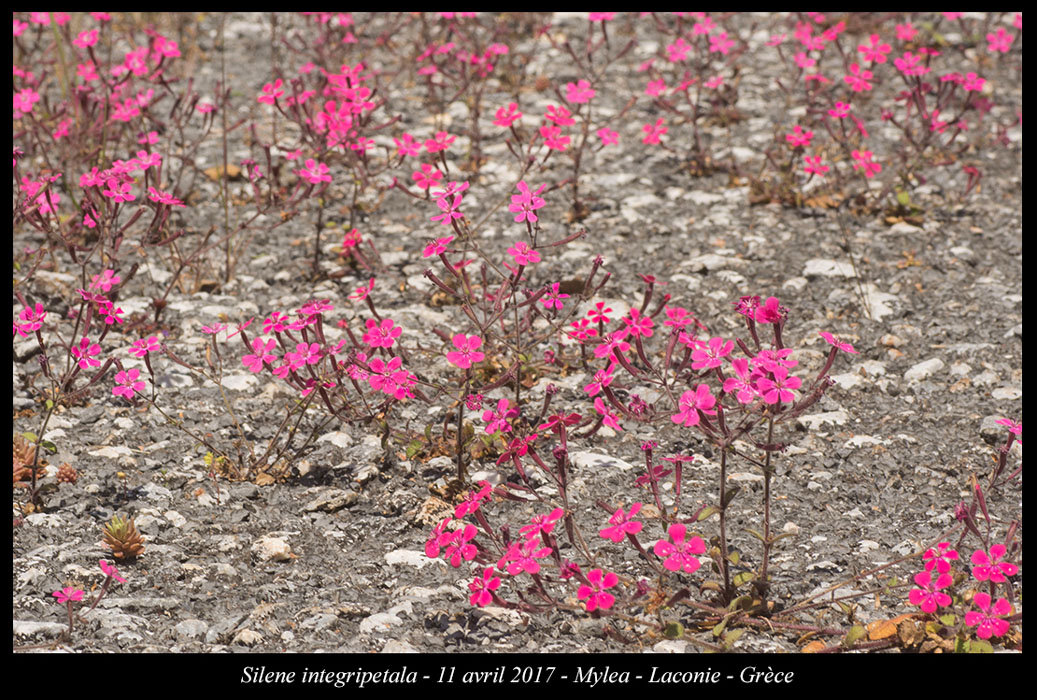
(49, 446)
(742, 578)
(856, 632)
(673, 630)
(903, 198)
(732, 636)
(719, 629)
(414, 448)
(31, 437)
(742, 601)
(782, 536)
(980, 646)
(707, 512)
(949, 619)
(733, 556)
(730, 495)
(49, 403)
(756, 534)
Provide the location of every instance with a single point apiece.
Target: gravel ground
(331, 559)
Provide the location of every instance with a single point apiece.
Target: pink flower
(506, 116)
(742, 385)
(989, 625)
(813, 165)
(876, 51)
(498, 420)
(677, 552)
(25, 99)
(906, 32)
(449, 210)
(798, 137)
(553, 138)
(579, 93)
(608, 417)
(381, 335)
(68, 594)
(523, 254)
(264, 354)
(858, 79)
(541, 524)
(407, 146)
(271, 91)
(622, 524)
(460, 548)
(711, 355)
(654, 133)
(524, 204)
(655, 87)
(638, 325)
(436, 247)
(770, 312)
(559, 115)
(110, 570)
(940, 557)
(927, 594)
(691, 402)
(841, 109)
(988, 566)
(482, 588)
(865, 163)
(835, 342)
(85, 352)
(314, 172)
(595, 593)
(523, 557)
(720, 43)
(607, 136)
(467, 351)
(427, 177)
(779, 388)
(440, 142)
(553, 297)
(714, 82)
(129, 382)
(1000, 42)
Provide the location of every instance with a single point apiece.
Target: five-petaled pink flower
(989, 567)
(84, 353)
(678, 552)
(498, 420)
(523, 254)
(381, 335)
(264, 354)
(436, 247)
(940, 558)
(482, 588)
(524, 204)
(814, 166)
(876, 51)
(506, 116)
(928, 595)
(799, 138)
(780, 388)
(129, 382)
(68, 594)
(595, 593)
(988, 623)
(580, 92)
(691, 402)
(654, 133)
(467, 351)
(622, 524)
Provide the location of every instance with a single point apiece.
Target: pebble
(272, 549)
(924, 370)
